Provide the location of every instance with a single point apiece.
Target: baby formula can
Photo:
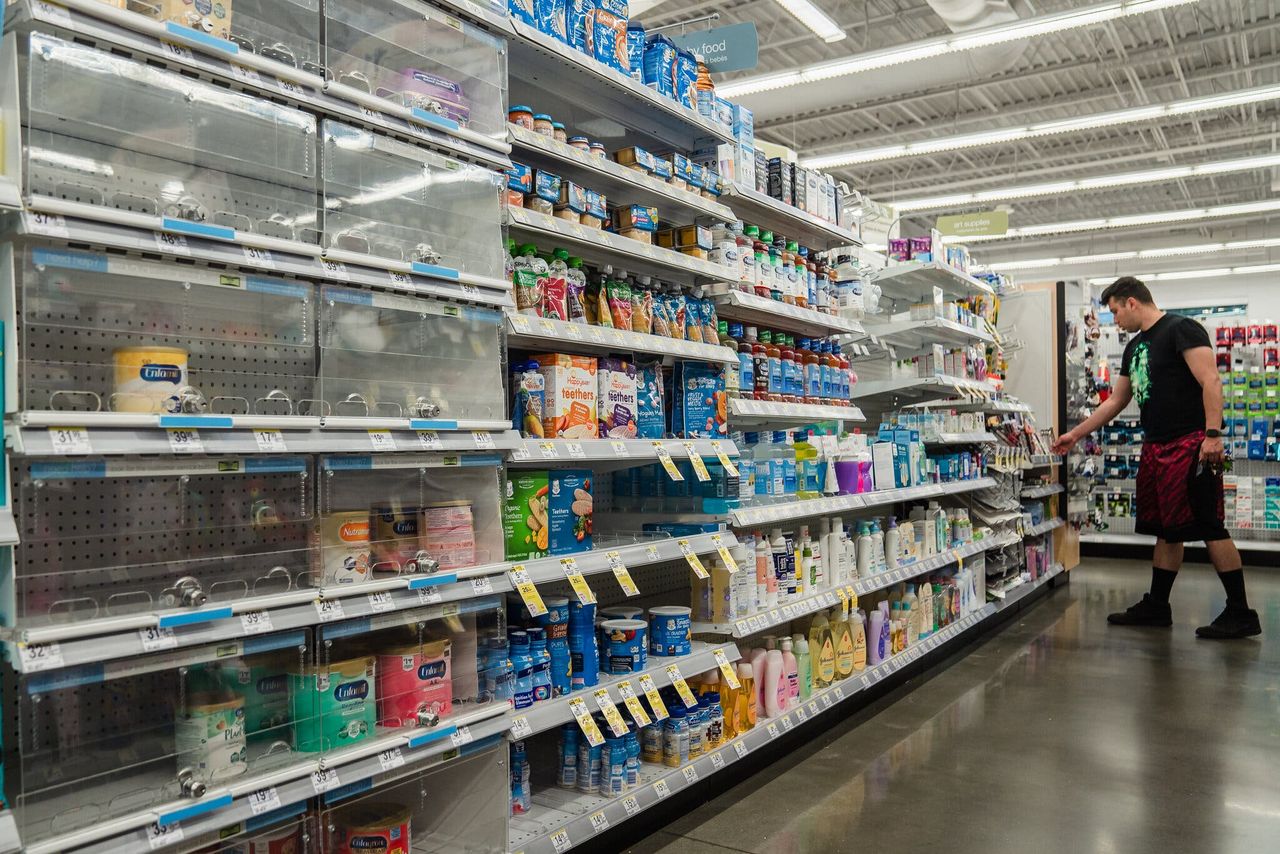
(449, 534)
(148, 378)
(415, 686)
(344, 548)
(624, 645)
(383, 828)
(334, 704)
(210, 737)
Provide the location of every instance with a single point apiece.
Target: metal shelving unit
(750, 517)
(776, 216)
(536, 332)
(910, 336)
(1043, 491)
(772, 314)
(914, 281)
(979, 438)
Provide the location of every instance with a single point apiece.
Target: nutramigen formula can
(344, 548)
(334, 704)
(209, 737)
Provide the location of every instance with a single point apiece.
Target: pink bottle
(791, 668)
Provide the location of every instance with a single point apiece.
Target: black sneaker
(1232, 623)
(1148, 612)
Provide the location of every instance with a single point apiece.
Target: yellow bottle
(746, 697)
(843, 640)
(729, 708)
(859, 642)
(824, 651)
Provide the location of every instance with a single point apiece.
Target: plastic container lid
(670, 611)
(541, 117)
(558, 125)
(519, 108)
(624, 625)
(573, 139)
(621, 612)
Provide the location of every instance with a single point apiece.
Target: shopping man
(1169, 366)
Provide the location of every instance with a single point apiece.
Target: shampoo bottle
(792, 668)
(875, 626)
(891, 551)
(775, 684)
(823, 651)
(885, 646)
(907, 542)
(865, 549)
(804, 664)
(859, 626)
(843, 643)
(746, 710)
(778, 548)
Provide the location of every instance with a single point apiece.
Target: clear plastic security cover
(112, 132)
(392, 200)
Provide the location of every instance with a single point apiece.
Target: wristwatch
(1213, 434)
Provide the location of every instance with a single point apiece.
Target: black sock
(1233, 583)
(1161, 583)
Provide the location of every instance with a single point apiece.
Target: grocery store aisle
(1057, 734)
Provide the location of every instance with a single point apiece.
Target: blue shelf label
(198, 229)
(432, 119)
(434, 270)
(169, 621)
(194, 810)
(91, 262)
(211, 422)
(276, 287)
(202, 39)
(343, 792)
(432, 581)
(432, 735)
(432, 424)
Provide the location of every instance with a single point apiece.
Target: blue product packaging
(550, 17)
(702, 401)
(625, 645)
(635, 50)
(522, 11)
(660, 65)
(576, 23)
(662, 168)
(686, 79)
(596, 204)
(569, 511)
(584, 649)
(567, 777)
(617, 8)
(669, 627)
(607, 39)
(547, 186)
(520, 178)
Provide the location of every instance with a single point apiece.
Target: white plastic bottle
(744, 581)
(906, 542)
(822, 563)
(792, 669)
(891, 549)
(865, 550)
(775, 690)
(778, 549)
(766, 581)
(802, 553)
(877, 547)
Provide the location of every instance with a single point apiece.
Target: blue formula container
(635, 49)
(660, 65)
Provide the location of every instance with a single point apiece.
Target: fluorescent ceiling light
(1163, 252)
(1097, 120)
(1012, 31)
(1127, 221)
(813, 18)
(1215, 273)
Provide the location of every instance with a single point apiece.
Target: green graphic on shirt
(1140, 373)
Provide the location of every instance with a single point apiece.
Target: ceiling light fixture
(871, 60)
(1215, 273)
(1097, 120)
(813, 18)
(1163, 252)
(1155, 218)
(1100, 182)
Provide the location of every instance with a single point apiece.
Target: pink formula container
(415, 686)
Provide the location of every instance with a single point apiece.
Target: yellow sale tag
(844, 598)
(611, 714)
(729, 467)
(655, 699)
(577, 582)
(582, 714)
(682, 687)
(664, 457)
(528, 592)
(694, 563)
(726, 669)
(959, 562)
(633, 704)
(620, 572)
(695, 459)
(725, 555)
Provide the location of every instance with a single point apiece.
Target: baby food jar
(520, 115)
(542, 124)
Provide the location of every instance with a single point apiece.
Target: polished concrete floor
(1056, 734)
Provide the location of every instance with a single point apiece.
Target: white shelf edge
(582, 336)
(781, 313)
(753, 516)
(768, 412)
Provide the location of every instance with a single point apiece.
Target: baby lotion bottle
(776, 690)
(792, 668)
(865, 549)
(875, 628)
(822, 651)
(891, 550)
(859, 625)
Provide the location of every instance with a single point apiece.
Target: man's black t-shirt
(1166, 390)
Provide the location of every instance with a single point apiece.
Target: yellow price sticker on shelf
(520, 580)
(621, 573)
(695, 459)
(717, 448)
(655, 699)
(694, 563)
(611, 714)
(725, 555)
(959, 562)
(577, 582)
(682, 687)
(664, 457)
(578, 708)
(726, 669)
(633, 704)
(844, 598)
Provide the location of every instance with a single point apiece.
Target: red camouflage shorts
(1179, 500)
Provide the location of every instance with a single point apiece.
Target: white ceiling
(1203, 48)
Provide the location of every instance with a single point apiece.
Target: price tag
(690, 774)
(270, 441)
(185, 440)
(742, 627)
(661, 789)
(682, 687)
(599, 822)
(50, 225)
(68, 441)
(655, 699)
(328, 610)
(40, 656)
(390, 758)
(520, 727)
(259, 258)
(611, 714)
(839, 694)
(631, 805)
(664, 457)
(381, 601)
(246, 74)
(726, 669)
(740, 748)
(372, 115)
(595, 334)
(324, 780)
(560, 841)
(651, 554)
(335, 269)
(462, 735)
(787, 612)
(401, 279)
(576, 581)
(481, 585)
(164, 835)
(548, 450)
(786, 723)
(620, 572)
(182, 52)
(483, 439)
(519, 576)
(826, 701)
(717, 761)
(430, 441)
(571, 330)
(634, 707)
(576, 450)
(725, 555)
(429, 596)
(382, 440)
(578, 708)
(173, 244)
(520, 453)
(264, 800)
(775, 617)
(619, 448)
(156, 638)
(801, 714)
(717, 447)
(692, 558)
(695, 459)
(255, 622)
(773, 731)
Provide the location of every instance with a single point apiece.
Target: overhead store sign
(732, 48)
(983, 223)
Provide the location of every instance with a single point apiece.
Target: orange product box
(571, 391)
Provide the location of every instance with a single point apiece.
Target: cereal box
(570, 408)
(617, 399)
(569, 509)
(525, 528)
(700, 404)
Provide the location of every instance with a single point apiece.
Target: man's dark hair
(1125, 287)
